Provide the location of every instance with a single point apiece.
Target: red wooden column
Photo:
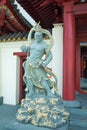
(22, 57)
(69, 55)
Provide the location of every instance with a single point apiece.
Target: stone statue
(35, 66)
(41, 106)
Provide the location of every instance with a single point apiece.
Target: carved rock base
(43, 111)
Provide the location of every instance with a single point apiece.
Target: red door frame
(83, 58)
(22, 57)
(79, 63)
(77, 10)
(82, 68)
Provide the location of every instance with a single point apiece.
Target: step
(1, 100)
(78, 112)
(76, 128)
(78, 117)
(79, 123)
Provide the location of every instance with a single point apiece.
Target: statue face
(38, 36)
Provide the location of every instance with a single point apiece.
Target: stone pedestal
(43, 111)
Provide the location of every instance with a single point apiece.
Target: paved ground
(82, 98)
(8, 112)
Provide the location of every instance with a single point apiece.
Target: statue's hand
(44, 65)
(23, 48)
(40, 62)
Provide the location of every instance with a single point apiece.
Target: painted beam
(46, 3)
(15, 15)
(9, 27)
(15, 24)
(2, 2)
(2, 15)
(80, 9)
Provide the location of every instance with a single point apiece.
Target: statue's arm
(48, 59)
(24, 48)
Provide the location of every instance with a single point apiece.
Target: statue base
(43, 111)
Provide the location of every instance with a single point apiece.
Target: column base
(72, 104)
(1, 100)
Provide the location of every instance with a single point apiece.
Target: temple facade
(69, 55)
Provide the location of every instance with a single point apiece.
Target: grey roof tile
(14, 36)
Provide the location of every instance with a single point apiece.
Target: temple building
(67, 21)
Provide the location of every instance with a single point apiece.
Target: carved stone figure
(35, 67)
(41, 106)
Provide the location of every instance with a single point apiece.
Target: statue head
(39, 31)
(38, 36)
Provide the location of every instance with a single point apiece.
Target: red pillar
(69, 55)
(22, 59)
